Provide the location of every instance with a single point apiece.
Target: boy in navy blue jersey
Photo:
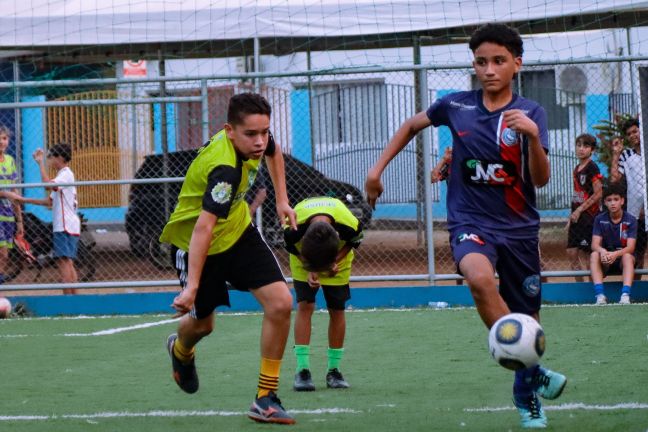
(499, 157)
(614, 237)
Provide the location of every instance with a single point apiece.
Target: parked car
(150, 204)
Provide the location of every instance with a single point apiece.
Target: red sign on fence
(134, 68)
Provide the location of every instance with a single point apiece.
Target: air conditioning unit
(573, 86)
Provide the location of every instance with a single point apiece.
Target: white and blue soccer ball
(516, 341)
(5, 307)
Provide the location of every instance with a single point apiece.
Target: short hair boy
(321, 254)
(613, 244)
(216, 244)
(585, 205)
(500, 142)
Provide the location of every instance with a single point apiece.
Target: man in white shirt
(63, 200)
(628, 164)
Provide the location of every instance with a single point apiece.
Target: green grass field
(410, 370)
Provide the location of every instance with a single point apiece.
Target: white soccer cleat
(625, 299)
(601, 299)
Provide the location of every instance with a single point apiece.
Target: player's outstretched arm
(408, 130)
(277, 169)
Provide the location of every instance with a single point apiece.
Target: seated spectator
(614, 236)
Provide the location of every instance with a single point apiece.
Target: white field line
(570, 407)
(116, 330)
(127, 414)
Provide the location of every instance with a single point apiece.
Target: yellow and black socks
(268, 377)
(182, 353)
(335, 357)
(302, 352)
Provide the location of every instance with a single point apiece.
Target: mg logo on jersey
(490, 173)
(470, 236)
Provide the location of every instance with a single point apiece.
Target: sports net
(341, 77)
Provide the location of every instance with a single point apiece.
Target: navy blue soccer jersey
(490, 185)
(615, 236)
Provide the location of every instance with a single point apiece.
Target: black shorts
(580, 233)
(335, 295)
(247, 265)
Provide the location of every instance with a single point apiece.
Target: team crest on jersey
(472, 237)
(509, 137)
(582, 179)
(489, 172)
(531, 285)
(221, 192)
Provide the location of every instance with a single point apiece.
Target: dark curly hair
(499, 34)
(629, 123)
(319, 246)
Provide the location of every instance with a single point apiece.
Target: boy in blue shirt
(614, 237)
(499, 156)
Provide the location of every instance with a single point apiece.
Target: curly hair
(319, 246)
(629, 123)
(499, 34)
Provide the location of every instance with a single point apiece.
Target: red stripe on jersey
(514, 195)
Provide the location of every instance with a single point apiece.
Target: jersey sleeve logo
(489, 173)
(221, 192)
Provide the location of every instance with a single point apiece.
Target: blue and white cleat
(548, 384)
(532, 415)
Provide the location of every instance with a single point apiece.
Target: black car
(150, 204)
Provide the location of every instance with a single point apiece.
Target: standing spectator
(63, 200)
(628, 165)
(586, 203)
(321, 254)
(613, 243)
(11, 222)
(499, 158)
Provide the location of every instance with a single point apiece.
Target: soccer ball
(516, 341)
(5, 307)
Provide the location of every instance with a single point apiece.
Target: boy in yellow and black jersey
(216, 245)
(321, 254)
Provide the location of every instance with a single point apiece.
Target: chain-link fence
(134, 140)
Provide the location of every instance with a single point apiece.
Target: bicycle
(34, 250)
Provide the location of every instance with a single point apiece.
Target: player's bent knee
(278, 302)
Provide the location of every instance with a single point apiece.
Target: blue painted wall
(301, 126)
(597, 108)
(33, 134)
(157, 128)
